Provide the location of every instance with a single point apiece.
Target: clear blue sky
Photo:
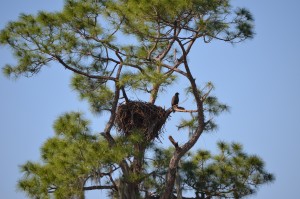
(259, 79)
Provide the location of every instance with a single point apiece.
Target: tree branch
(82, 73)
(98, 187)
(124, 94)
(174, 68)
(174, 142)
(181, 109)
(171, 175)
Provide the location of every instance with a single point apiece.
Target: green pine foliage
(211, 108)
(69, 158)
(142, 81)
(77, 36)
(72, 158)
(231, 173)
(98, 95)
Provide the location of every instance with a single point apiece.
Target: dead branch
(174, 142)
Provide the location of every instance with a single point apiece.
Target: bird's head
(176, 93)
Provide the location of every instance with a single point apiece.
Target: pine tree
(115, 48)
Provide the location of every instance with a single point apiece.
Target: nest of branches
(143, 117)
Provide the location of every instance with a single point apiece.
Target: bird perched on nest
(175, 101)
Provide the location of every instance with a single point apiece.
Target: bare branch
(174, 142)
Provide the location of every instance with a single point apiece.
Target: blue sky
(259, 79)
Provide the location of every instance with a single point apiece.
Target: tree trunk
(171, 177)
(154, 92)
(128, 188)
(128, 191)
(178, 184)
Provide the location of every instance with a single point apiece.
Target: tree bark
(178, 184)
(128, 190)
(171, 176)
(154, 92)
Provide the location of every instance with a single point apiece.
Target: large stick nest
(137, 116)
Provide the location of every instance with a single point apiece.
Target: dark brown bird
(175, 100)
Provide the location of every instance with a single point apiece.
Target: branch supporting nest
(181, 109)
